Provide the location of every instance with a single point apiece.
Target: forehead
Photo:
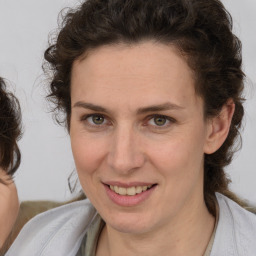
(146, 71)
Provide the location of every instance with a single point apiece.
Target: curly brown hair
(10, 130)
(200, 29)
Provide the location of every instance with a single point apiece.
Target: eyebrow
(90, 106)
(161, 107)
(143, 110)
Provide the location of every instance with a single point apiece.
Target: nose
(125, 153)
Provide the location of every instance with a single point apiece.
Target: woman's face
(138, 135)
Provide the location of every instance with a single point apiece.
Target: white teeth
(116, 189)
(138, 190)
(122, 191)
(131, 191)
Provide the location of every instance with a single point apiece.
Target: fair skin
(9, 206)
(136, 121)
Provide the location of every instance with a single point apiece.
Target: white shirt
(60, 231)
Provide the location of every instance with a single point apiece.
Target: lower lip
(129, 200)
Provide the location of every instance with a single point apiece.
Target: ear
(218, 128)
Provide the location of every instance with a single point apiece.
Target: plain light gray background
(46, 155)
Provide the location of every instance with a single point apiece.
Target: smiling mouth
(131, 191)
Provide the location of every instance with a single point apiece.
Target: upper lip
(128, 184)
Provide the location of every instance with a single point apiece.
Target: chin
(130, 223)
(130, 228)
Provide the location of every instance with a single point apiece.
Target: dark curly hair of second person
(200, 30)
(10, 130)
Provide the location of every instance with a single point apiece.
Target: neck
(186, 234)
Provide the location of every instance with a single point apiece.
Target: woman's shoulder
(58, 231)
(236, 230)
(230, 208)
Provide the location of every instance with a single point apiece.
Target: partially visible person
(9, 207)
(13, 215)
(10, 131)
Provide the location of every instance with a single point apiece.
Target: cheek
(88, 153)
(87, 157)
(179, 155)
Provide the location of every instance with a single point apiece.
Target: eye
(94, 119)
(160, 121)
(97, 119)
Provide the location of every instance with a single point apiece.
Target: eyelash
(86, 117)
(168, 119)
